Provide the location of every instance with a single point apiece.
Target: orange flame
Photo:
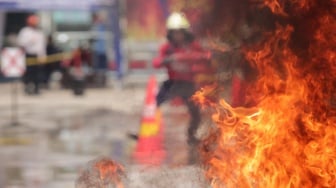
(110, 171)
(275, 6)
(287, 139)
(101, 172)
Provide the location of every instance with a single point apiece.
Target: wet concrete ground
(59, 133)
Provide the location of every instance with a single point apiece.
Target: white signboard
(13, 62)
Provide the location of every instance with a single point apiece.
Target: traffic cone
(149, 149)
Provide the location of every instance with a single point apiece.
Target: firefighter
(32, 40)
(178, 55)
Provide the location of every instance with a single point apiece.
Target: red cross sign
(13, 63)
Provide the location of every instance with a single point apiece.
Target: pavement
(58, 133)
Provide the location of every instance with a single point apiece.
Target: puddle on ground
(90, 134)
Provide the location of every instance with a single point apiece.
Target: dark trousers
(100, 61)
(32, 77)
(48, 69)
(184, 89)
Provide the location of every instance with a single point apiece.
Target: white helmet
(177, 21)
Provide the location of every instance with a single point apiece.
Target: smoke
(106, 173)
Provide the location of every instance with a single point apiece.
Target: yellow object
(14, 141)
(151, 128)
(49, 59)
(177, 20)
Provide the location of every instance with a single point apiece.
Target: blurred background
(82, 109)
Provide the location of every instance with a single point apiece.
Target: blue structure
(164, 7)
(117, 39)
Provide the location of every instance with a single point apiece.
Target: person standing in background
(32, 40)
(100, 63)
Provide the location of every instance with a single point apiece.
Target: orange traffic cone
(149, 149)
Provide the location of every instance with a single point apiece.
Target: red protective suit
(188, 60)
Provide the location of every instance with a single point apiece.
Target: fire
(288, 138)
(275, 6)
(102, 172)
(109, 171)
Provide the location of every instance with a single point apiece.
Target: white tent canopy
(54, 4)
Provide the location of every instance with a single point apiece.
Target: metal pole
(14, 101)
(117, 39)
(164, 7)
